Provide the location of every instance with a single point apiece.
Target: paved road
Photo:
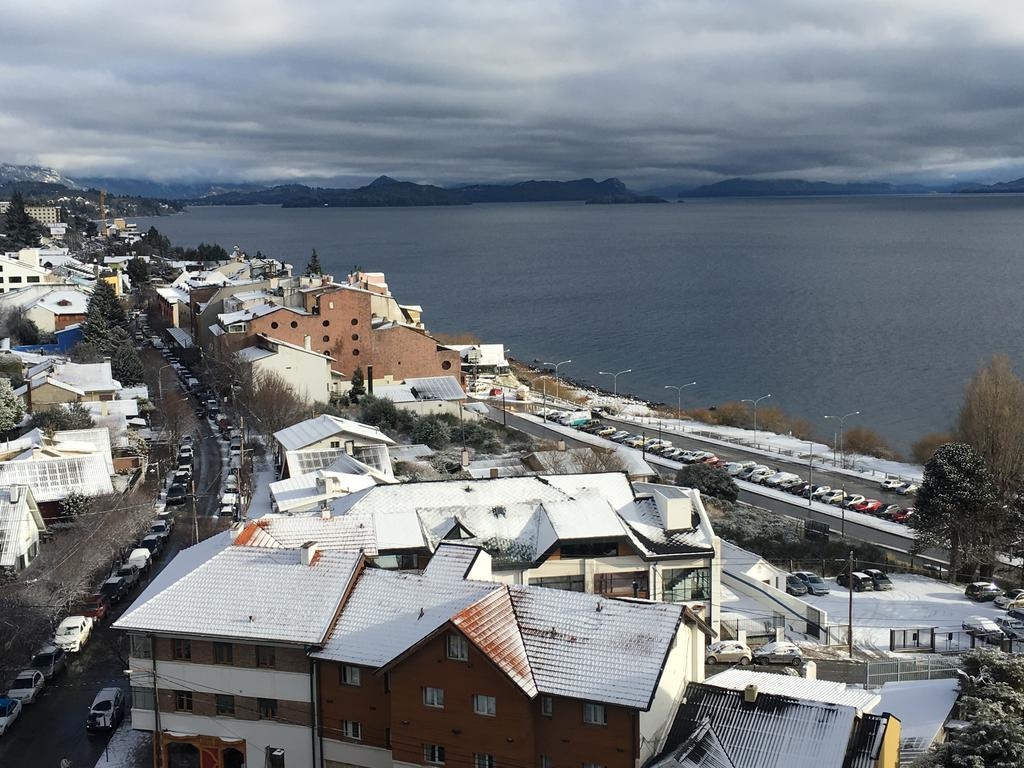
(53, 727)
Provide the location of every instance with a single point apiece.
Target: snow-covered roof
(13, 514)
(127, 408)
(252, 593)
(390, 611)
(252, 354)
(352, 533)
(97, 439)
(172, 295)
(303, 492)
(451, 561)
(737, 679)
(314, 430)
(52, 476)
(65, 302)
(89, 377)
(922, 706)
(245, 315)
(181, 337)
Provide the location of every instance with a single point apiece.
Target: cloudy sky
(437, 90)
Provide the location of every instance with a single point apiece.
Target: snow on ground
(914, 601)
(263, 474)
(127, 748)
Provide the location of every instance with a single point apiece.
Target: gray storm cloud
(652, 92)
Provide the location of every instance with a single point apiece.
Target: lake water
(886, 305)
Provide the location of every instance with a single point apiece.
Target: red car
(903, 515)
(711, 460)
(868, 506)
(97, 606)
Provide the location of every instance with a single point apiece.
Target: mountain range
(741, 187)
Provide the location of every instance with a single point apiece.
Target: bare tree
(272, 403)
(178, 417)
(992, 422)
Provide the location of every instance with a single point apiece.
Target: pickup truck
(129, 573)
(72, 633)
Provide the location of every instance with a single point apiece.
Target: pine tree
(11, 408)
(358, 389)
(138, 271)
(126, 365)
(21, 229)
(105, 313)
(313, 267)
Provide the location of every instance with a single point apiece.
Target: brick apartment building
(302, 657)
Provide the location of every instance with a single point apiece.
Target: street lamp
(679, 397)
(754, 402)
(615, 379)
(842, 422)
(557, 365)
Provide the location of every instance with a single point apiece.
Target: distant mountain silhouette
(741, 187)
(386, 191)
(1015, 186)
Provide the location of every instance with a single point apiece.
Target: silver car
(728, 652)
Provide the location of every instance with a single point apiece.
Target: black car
(982, 591)
(114, 589)
(176, 495)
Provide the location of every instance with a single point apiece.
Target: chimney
(307, 342)
(750, 694)
(325, 512)
(236, 530)
(369, 379)
(677, 512)
(307, 553)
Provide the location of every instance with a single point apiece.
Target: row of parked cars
(737, 652)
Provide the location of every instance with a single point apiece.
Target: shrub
(868, 442)
(432, 431)
(713, 481)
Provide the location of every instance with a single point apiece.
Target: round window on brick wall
(327, 338)
(273, 324)
(355, 337)
(294, 324)
(355, 321)
(326, 323)
(446, 365)
(355, 353)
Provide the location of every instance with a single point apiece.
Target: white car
(832, 497)
(760, 475)
(733, 468)
(26, 686)
(73, 633)
(820, 491)
(907, 489)
(852, 499)
(9, 711)
(728, 652)
(890, 484)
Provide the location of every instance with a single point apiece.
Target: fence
(936, 640)
(928, 668)
(733, 625)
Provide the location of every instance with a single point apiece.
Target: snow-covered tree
(313, 267)
(11, 408)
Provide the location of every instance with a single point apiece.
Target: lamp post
(679, 397)
(557, 366)
(810, 471)
(615, 379)
(159, 381)
(754, 402)
(842, 422)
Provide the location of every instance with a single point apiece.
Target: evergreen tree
(358, 389)
(11, 408)
(313, 267)
(712, 481)
(126, 365)
(958, 508)
(21, 229)
(138, 272)
(105, 313)
(61, 417)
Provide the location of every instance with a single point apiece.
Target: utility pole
(849, 586)
(195, 513)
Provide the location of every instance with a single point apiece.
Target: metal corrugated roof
(701, 750)
(324, 426)
(451, 561)
(772, 732)
(13, 517)
(491, 625)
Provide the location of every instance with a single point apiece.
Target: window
(350, 675)
(680, 585)
(589, 549)
(266, 708)
(355, 353)
(458, 648)
(355, 337)
(593, 714)
(142, 698)
(327, 323)
(433, 697)
(547, 706)
(32, 279)
(274, 325)
(294, 324)
(225, 704)
(350, 730)
(265, 656)
(223, 653)
(568, 583)
(546, 762)
(183, 701)
(446, 365)
(592, 765)
(326, 338)
(14, 279)
(335, 443)
(236, 328)
(355, 321)
(141, 648)
(483, 761)
(485, 705)
(625, 584)
(181, 650)
(433, 754)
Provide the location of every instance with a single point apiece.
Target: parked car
(73, 633)
(759, 468)
(868, 506)
(141, 558)
(235, 447)
(176, 495)
(820, 490)
(27, 686)
(107, 710)
(888, 511)
(779, 652)
(815, 584)
(795, 586)
(51, 661)
(1004, 600)
(880, 582)
(861, 581)
(129, 573)
(160, 528)
(186, 452)
(907, 489)
(1011, 627)
(96, 607)
(760, 475)
(1016, 603)
(789, 483)
(902, 515)
(728, 652)
(890, 484)
(799, 489)
(231, 483)
(606, 431)
(852, 499)
(620, 436)
(154, 543)
(982, 591)
(781, 479)
(831, 497)
(9, 711)
(115, 589)
(182, 476)
(983, 628)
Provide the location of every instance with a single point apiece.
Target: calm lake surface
(886, 305)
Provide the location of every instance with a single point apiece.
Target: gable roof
(828, 691)
(772, 732)
(702, 749)
(254, 593)
(492, 626)
(314, 430)
(13, 514)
